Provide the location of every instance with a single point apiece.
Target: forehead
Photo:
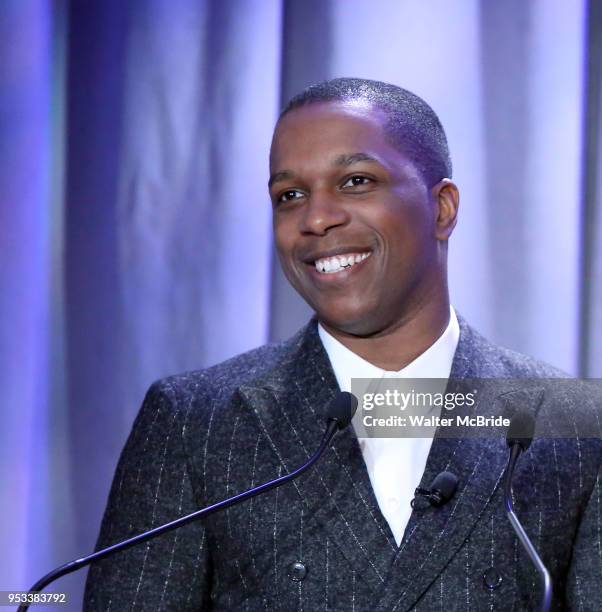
(321, 132)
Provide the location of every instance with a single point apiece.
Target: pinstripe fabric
(203, 436)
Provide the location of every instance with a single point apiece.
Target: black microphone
(339, 413)
(519, 438)
(442, 489)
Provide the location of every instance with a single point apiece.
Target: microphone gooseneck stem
(546, 601)
(73, 566)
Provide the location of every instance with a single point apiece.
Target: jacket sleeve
(584, 585)
(152, 486)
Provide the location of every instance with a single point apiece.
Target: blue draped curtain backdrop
(135, 225)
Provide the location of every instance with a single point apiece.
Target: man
(363, 210)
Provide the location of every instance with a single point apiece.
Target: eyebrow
(280, 176)
(341, 160)
(347, 160)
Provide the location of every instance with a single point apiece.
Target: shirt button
(392, 502)
(492, 578)
(297, 571)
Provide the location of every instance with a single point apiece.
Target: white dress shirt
(395, 465)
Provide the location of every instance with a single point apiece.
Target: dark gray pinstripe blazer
(206, 435)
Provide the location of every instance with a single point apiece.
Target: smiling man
(363, 209)
(362, 215)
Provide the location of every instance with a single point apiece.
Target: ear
(447, 200)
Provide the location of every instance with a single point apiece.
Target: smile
(331, 265)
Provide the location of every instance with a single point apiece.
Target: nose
(323, 212)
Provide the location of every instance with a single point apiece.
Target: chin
(353, 322)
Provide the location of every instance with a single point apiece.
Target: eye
(289, 195)
(356, 181)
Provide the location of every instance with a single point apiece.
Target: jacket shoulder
(478, 357)
(519, 365)
(220, 381)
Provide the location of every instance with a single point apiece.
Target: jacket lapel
(290, 406)
(433, 536)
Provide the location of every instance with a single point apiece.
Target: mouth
(335, 264)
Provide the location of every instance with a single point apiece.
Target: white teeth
(330, 265)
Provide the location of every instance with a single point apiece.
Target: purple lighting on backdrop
(25, 149)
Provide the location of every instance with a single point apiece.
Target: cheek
(410, 221)
(285, 241)
(283, 234)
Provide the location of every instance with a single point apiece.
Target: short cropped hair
(412, 126)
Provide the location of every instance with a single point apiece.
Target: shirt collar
(435, 362)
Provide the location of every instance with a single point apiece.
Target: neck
(394, 348)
